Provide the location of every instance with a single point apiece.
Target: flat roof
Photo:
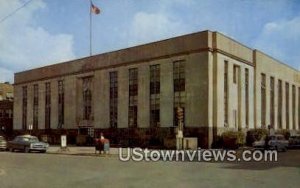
(190, 43)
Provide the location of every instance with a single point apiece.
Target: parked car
(277, 142)
(27, 143)
(294, 141)
(3, 143)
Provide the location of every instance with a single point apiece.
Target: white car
(277, 142)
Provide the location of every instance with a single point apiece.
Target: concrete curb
(80, 151)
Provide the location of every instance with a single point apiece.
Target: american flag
(95, 9)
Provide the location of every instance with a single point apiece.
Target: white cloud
(149, 27)
(281, 39)
(25, 45)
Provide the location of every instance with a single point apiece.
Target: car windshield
(30, 139)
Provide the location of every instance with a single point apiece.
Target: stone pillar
(252, 94)
(101, 95)
(54, 105)
(283, 106)
(291, 106)
(231, 121)
(218, 91)
(123, 99)
(166, 93)
(242, 101)
(70, 105)
(196, 113)
(268, 100)
(275, 103)
(210, 100)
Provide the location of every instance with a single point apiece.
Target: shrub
(233, 139)
(255, 135)
(218, 142)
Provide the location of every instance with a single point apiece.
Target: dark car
(3, 143)
(27, 143)
(294, 141)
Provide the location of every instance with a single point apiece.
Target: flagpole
(90, 27)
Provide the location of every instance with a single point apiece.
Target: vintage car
(3, 143)
(294, 141)
(276, 142)
(27, 143)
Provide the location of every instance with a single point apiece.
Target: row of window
(47, 105)
(288, 89)
(179, 98)
(236, 76)
(179, 94)
(236, 72)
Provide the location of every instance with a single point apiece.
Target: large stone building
(6, 109)
(132, 94)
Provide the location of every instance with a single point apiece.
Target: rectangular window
(179, 88)
(272, 101)
(48, 105)
(179, 76)
(263, 100)
(24, 108)
(279, 116)
(154, 95)
(235, 73)
(226, 93)
(287, 105)
(61, 104)
(247, 96)
(87, 98)
(113, 99)
(35, 106)
(133, 97)
(294, 106)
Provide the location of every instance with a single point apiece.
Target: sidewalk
(78, 150)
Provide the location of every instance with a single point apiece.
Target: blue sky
(51, 31)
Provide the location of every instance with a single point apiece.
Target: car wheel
(284, 149)
(11, 149)
(27, 150)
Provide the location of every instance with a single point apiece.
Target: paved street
(53, 170)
